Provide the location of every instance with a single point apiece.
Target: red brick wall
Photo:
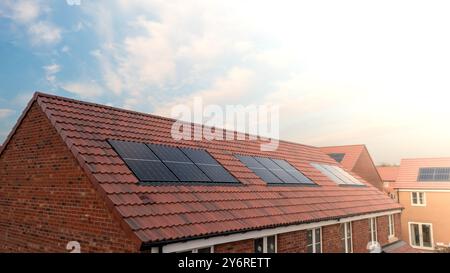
(292, 242)
(246, 246)
(46, 200)
(295, 242)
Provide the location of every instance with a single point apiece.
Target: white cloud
(44, 33)
(228, 89)
(4, 113)
(83, 89)
(25, 11)
(51, 71)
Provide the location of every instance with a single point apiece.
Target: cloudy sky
(343, 72)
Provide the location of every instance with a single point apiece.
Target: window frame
(373, 229)
(391, 226)
(195, 250)
(418, 199)
(421, 235)
(347, 236)
(265, 244)
(314, 242)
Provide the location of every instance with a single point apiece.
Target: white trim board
(217, 240)
(423, 190)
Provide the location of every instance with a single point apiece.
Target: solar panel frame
(435, 174)
(132, 150)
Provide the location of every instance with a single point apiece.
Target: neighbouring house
(356, 158)
(114, 180)
(423, 188)
(388, 176)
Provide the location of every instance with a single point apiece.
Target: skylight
(337, 156)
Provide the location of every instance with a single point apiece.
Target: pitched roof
(164, 212)
(352, 153)
(388, 174)
(409, 171)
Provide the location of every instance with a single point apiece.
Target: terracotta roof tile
(388, 174)
(409, 171)
(167, 212)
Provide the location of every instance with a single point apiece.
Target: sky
(342, 72)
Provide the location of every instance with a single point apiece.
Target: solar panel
(132, 150)
(166, 153)
(151, 171)
(187, 172)
(274, 171)
(199, 156)
(217, 173)
(212, 168)
(337, 174)
(160, 163)
(179, 163)
(300, 177)
(434, 174)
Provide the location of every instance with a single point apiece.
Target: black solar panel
(160, 163)
(199, 156)
(187, 172)
(299, 177)
(166, 153)
(151, 171)
(132, 150)
(267, 176)
(217, 173)
(250, 162)
(274, 171)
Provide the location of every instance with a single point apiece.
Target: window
(314, 240)
(434, 174)
(274, 171)
(161, 163)
(391, 226)
(337, 156)
(266, 244)
(337, 174)
(373, 229)
(418, 199)
(346, 237)
(209, 249)
(421, 235)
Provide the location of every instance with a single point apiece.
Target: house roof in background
(162, 212)
(409, 171)
(389, 173)
(352, 153)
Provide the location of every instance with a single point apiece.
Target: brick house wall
(46, 200)
(295, 242)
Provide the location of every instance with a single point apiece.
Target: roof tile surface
(161, 212)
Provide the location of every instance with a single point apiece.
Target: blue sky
(373, 72)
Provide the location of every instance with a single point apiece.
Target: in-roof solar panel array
(160, 163)
(434, 174)
(274, 171)
(337, 174)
